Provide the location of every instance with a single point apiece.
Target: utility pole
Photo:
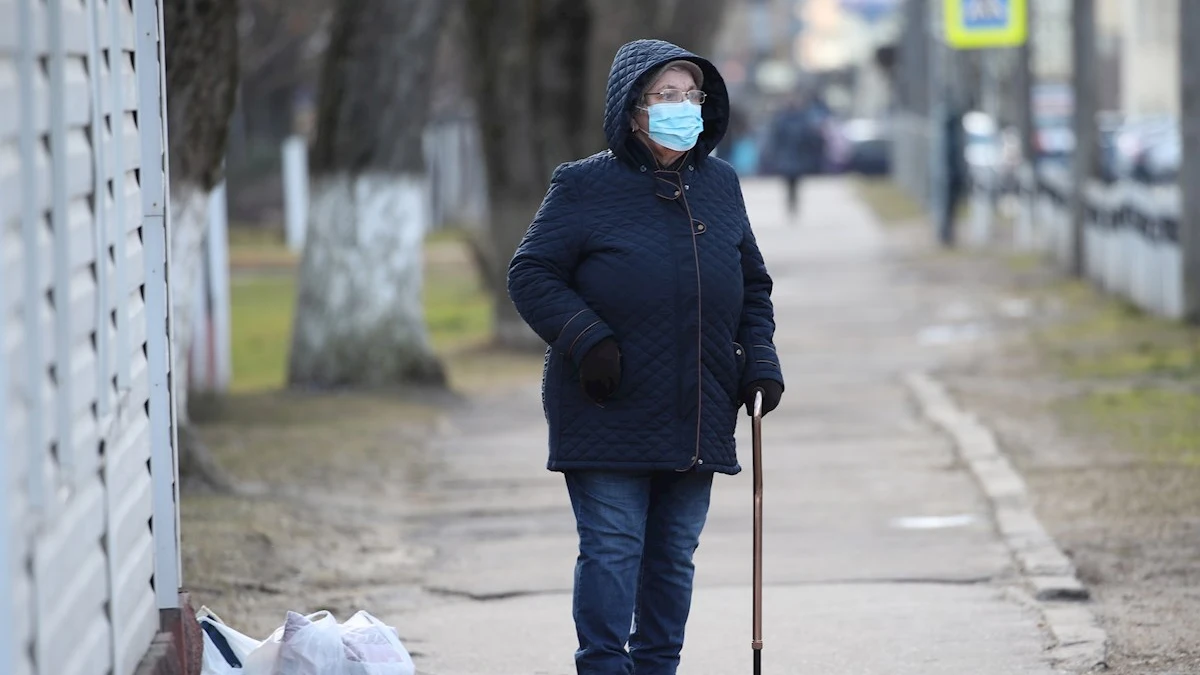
(1083, 77)
(936, 90)
(1024, 82)
(1189, 178)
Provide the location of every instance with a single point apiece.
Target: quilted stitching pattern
(677, 280)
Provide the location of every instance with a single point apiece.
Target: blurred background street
(253, 312)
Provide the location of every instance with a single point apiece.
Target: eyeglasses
(676, 96)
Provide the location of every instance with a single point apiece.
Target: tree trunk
(1189, 176)
(622, 21)
(201, 74)
(691, 24)
(359, 319)
(529, 56)
(540, 83)
(510, 215)
(1083, 52)
(1024, 85)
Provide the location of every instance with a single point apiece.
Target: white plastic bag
(311, 645)
(372, 648)
(306, 645)
(225, 649)
(318, 645)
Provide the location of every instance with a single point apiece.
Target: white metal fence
(1131, 246)
(912, 154)
(88, 524)
(457, 175)
(1131, 236)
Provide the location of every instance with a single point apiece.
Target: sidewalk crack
(492, 597)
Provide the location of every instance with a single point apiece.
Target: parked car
(991, 151)
(869, 144)
(1053, 140)
(981, 139)
(1053, 134)
(1124, 148)
(1108, 123)
(1160, 159)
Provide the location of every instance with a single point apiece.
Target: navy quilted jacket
(664, 261)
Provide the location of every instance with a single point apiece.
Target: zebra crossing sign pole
(985, 24)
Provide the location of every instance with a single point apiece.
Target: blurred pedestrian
(796, 144)
(642, 273)
(956, 172)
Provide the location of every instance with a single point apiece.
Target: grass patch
(890, 204)
(288, 436)
(253, 236)
(1023, 263)
(259, 248)
(330, 476)
(1109, 339)
(327, 476)
(1139, 374)
(1162, 425)
(458, 312)
(458, 309)
(261, 308)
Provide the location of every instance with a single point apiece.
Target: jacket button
(643, 168)
(687, 187)
(691, 167)
(699, 461)
(677, 193)
(738, 352)
(699, 227)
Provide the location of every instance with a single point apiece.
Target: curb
(1080, 644)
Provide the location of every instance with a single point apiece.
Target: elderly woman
(641, 272)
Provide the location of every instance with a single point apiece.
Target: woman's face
(672, 79)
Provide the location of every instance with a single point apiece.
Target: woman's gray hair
(678, 65)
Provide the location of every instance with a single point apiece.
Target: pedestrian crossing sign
(981, 24)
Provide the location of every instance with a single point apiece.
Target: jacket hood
(634, 62)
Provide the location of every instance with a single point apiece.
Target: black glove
(600, 370)
(772, 392)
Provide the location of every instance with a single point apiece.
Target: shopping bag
(310, 645)
(306, 645)
(225, 649)
(373, 648)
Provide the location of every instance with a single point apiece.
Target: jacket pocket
(731, 375)
(550, 376)
(739, 353)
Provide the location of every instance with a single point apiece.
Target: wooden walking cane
(756, 642)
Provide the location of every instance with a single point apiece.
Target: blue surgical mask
(675, 125)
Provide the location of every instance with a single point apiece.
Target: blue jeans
(637, 534)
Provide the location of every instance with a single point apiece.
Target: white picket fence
(88, 521)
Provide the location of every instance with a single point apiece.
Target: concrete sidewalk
(881, 556)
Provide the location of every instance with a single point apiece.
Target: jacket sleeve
(540, 274)
(756, 331)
